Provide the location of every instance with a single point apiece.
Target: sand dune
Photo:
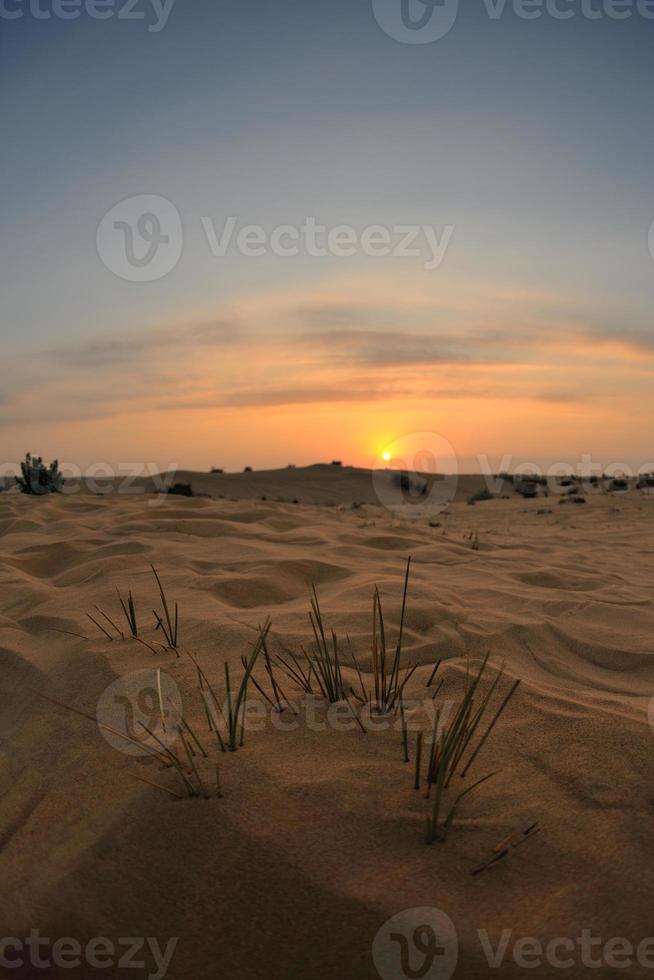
(319, 837)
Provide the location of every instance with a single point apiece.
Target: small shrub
(619, 485)
(410, 484)
(37, 478)
(181, 490)
(484, 494)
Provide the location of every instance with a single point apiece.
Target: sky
(207, 205)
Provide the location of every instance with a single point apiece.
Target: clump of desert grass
(227, 721)
(455, 747)
(166, 621)
(191, 784)
(325, 665)
(461, 729)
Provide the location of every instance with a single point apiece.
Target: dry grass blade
(326, 664)
(419, 737)
(107, 728)
(129, 611)
(151, 782)
(297, 673)
(388, 689)
(490, 728)
(100, 627)
(188, 786)
(168, 624)
(433, 673)
(111, 623)
(210, 701)
(405, 733)
(450, 816)
(504, 849)
(356, 716)
(191, 761)
(80, 636)
(236, 703)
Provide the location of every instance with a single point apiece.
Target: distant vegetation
(410, 483)
(181, 490)
(37, 478)
(484, 494)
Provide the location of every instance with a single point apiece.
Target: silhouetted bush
(181, 490)
(410, 484)
(39, 479)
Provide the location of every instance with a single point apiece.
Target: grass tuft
(451, 743)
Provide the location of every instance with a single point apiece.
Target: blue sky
(532, 139)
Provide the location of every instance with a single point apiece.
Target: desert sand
(319, 836)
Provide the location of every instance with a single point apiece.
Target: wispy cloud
(284, 351)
